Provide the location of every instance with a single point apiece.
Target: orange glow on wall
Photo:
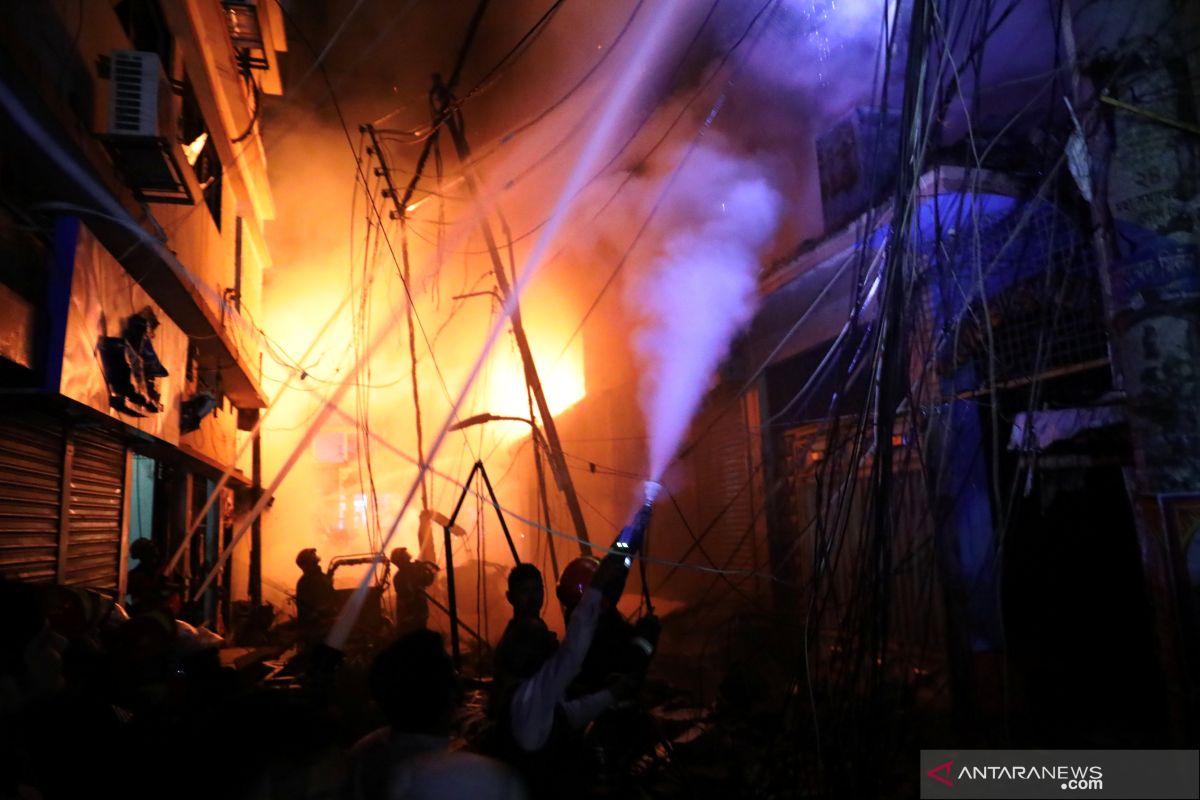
(563, 383)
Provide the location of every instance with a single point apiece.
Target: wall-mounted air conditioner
(139, 132)
(133, 95)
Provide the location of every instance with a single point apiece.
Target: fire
(563, 382)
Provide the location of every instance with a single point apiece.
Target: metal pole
(499, 514)
(256, 526)
(558, 464)
(452, 598)
(541, 479)
(451, 590)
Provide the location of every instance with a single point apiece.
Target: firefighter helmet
(575, 579)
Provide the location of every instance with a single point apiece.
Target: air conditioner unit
(133, 95)
(138, 131)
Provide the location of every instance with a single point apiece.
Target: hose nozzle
(651, 488)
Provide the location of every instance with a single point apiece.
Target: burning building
(886, 310)
(135, 196)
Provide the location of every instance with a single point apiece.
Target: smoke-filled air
(598, 398)
(699, 287)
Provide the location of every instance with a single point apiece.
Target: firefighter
(410, 581)
(538, 725)
(618, 648)
(314, 594)
(619, 656)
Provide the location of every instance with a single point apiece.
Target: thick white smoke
(699, 289)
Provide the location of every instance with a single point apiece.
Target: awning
(1041, 429)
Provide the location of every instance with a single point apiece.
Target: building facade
(133, 195)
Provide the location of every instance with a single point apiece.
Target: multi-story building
(133, 195)
(1031, 530)
(1010, 451)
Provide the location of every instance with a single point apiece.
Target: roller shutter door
(97, 500)
(726, 466)
(31, 457)
(729, 496)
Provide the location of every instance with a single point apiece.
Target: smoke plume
(699, 289)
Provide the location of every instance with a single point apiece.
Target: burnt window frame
(208, 169)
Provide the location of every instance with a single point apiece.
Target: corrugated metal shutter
(95, 510)
(31, 450)
(732, 543)
(730, 493)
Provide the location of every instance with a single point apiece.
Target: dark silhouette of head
(400, 556)
(307, 559)
(412, 681)
(526, 592)
(30, 651)
(146, 552)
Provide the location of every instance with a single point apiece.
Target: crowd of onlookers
(100, 701)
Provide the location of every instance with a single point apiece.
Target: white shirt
(533, 704)
(409, 766)
(439, 776)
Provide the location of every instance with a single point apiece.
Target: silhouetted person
(144, 578)
(314, 594)
(409, 582)
(31, 676)
(149, 590)
(413, 683)
(526, 642)
(618, 647)
(537, 725)
(618, 657)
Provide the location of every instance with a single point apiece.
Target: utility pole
(445, 114)
(541, 481)
(255, 585)
(424, 538)
(400, 203)
(558, 463)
